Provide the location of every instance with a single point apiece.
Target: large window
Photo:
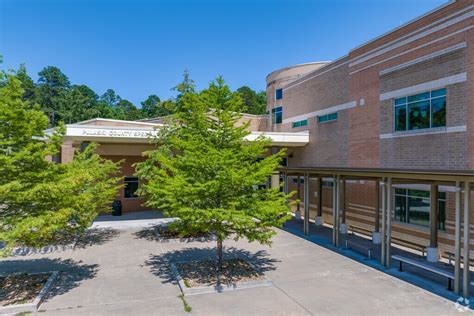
(278, 94)
(413, 206)
(131, 187)
(277, 115)
(300, 123)
(424, 110)
(327, 118)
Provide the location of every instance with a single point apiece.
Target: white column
(457, 240)
(306, 204)
(467, 221)
(275, 180)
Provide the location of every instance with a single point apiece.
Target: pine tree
(41, 201)
(205, 173)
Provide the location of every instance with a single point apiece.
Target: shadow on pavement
(148, 233)
(71, 273)
(160, 264)
(96, 236)
(133, 216)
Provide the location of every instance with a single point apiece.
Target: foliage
(205, 173)
(40, 200)
(255, 103)
(63, 102)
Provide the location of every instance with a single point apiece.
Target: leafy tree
(110, 98)
(204, 172)
(185, 87)
(78, 104)
(254, 103)
(52, 86)
(41, 201)
(27, 84)
(125, 110)
(152, 107)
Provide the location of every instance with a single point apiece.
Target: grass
(186, 283)
(186, 306)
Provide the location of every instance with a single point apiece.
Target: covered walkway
(382, 243)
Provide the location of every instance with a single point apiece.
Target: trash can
(117, 208)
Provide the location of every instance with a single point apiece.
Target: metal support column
(467, 221)
(320, 197)
(390, 204)
(298, 195)
(285, 183)
(377, 207)
(306, 204)
(335, 192)
(338, 207)
(457, 240)
(434, 216)
(384, 222)
(342, 205)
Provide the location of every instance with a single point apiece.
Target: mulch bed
(204, 273)
(21, 288)
(165, 232)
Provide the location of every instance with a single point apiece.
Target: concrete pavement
(125, 273)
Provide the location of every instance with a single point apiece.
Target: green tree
(153, 107)
(125, 110)
(78, 104)
(185, 87)
(41, 200)
(27, 84)
(253, 102)
(52, 87)
(110, 98)
(204, 172)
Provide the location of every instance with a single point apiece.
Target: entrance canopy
(118, 131)
(404, 175)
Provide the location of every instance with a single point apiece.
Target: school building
(380, 141)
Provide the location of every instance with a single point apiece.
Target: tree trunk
(219, 256)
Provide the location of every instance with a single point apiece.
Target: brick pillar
(67, 151)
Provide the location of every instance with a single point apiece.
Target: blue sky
(141, 47)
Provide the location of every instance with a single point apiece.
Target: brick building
(381, 139)
(401, 101)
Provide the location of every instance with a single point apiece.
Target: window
(277, 115)
(300, 123)
(131, 187)
(413, 206)
(327, 118)
(327, 184)
(424, 110)
(278, 94)
(295, 180)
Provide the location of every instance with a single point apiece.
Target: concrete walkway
(125, 272)
(131, 220)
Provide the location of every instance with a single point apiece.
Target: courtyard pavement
(122, 270)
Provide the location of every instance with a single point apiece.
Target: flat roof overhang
(430, 175)
(143, 135)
